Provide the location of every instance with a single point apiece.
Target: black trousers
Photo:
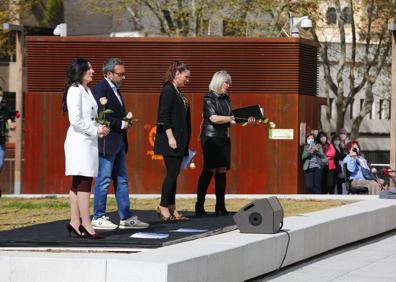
(329, 179)
(313, 179)
(168, 193)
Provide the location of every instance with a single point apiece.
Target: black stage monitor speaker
(264, 216)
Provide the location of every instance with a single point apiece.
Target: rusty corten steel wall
(265, 66)
(279, 74)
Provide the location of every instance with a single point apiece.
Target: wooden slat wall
(259, 165)
(265, 66)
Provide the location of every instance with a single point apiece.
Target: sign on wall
(281, 134)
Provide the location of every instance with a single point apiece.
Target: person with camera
(359, 170)
(7, 122)
(313, 162)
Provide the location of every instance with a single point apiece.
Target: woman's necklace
(185, 101)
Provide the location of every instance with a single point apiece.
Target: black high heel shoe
(85, 234)
(221, 210)
(200, 210)
(71, 230)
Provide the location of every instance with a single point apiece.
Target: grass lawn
(17, 212)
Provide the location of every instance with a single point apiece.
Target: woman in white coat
(81, 145)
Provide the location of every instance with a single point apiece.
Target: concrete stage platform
(230, 256)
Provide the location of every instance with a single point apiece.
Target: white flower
(129, 115)
(272, 124)
(103, 101)
(192, 165)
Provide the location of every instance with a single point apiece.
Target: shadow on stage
(55, 235)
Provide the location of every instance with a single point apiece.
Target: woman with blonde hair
(215, 142)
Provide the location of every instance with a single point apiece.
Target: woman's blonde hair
(218, 80)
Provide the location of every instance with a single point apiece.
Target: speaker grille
(255, 219)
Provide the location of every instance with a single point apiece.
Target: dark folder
(243, 114)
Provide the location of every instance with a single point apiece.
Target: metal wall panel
(265, 66)
(266, 72)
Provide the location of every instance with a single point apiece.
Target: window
(351, 109)
(331, 102)
(205, 27)
(331, 15)
(347, 15)
(372, 10)
(361, 108)
(384, 109)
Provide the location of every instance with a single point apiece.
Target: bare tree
(11, 11)
(192, 17)
(353, 65)
(174, 17)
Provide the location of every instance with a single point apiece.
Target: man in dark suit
(112, 151)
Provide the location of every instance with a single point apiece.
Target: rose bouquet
(10, 122)
(129, 119)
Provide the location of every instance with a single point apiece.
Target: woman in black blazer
(173, 135)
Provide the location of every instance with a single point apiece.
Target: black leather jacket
(214, 104)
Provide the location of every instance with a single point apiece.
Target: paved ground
(372, 260)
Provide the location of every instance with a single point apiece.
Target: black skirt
(216, 152)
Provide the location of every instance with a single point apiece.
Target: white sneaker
(133, 223)
(103, 223)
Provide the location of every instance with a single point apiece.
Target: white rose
(129, 115)
(192, 165)
(272, 124)
(103, 101)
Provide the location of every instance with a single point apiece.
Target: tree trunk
(340, 109)
(366, 109)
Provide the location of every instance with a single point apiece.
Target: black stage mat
(54, 234)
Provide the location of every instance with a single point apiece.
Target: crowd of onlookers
(327, 160)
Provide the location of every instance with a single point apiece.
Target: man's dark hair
(109, 65)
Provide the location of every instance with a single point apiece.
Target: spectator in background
(7, 122)
(329, 171)
(313, 162)
(359, 170)
(343, 137)
(339, 157)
